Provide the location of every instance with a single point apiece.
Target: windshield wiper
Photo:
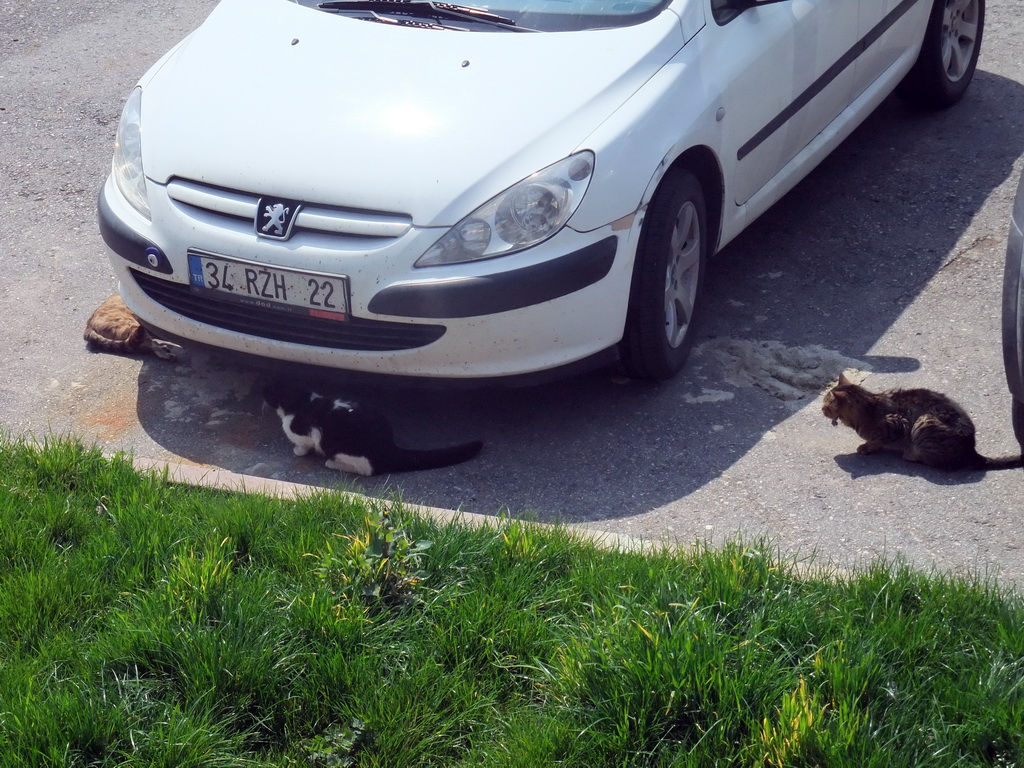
(428, 9)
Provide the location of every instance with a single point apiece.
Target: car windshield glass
(500, 15)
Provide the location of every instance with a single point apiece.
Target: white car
(428, 190)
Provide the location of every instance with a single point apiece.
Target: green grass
(149, 624)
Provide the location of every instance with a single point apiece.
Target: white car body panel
(811, 155)
(799, 38)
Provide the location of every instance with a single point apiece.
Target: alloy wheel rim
(681, 274)
(959, 37)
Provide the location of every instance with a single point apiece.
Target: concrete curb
(225, 480)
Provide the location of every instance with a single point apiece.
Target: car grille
(355, 333)
(239, 209)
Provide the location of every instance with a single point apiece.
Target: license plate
(309, 293)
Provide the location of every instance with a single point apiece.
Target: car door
(785, 81)
(885, 30)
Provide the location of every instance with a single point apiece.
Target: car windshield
(498, 15)
(567, 15)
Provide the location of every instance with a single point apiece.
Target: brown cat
(115, 328)
(922, 425)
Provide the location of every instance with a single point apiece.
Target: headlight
(522, 216)
(127, 165)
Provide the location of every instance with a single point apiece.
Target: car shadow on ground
(826, 272)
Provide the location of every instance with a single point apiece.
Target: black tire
(1013, 314)
(949, 54)
(1012, 328)
(668, 280)
(1017, 413)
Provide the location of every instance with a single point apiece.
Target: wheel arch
(702, 162)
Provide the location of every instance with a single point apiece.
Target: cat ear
(843, 381)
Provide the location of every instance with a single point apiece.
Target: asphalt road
(887, 259)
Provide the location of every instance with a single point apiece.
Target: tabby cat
(354, 437)
(922, 425)
(115, 328)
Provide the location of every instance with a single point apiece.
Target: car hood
(278, 99)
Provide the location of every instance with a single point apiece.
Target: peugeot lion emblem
(275, 217)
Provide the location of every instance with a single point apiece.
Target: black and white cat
(353, 437)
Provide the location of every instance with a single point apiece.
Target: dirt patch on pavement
(792, 374)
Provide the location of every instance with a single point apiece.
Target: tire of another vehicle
(1013, 353)
(668, 280)
(1017, 414)
(1013, 316)
(949, 54)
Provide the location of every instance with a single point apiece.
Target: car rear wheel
(949, 54)
(668, 278)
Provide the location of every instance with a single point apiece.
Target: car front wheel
(949, 54)
(668, 278)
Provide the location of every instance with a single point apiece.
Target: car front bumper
(553, 306)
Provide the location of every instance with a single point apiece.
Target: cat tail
(139, 340)
(413, 459)
(97, 343)
(1005, 462)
